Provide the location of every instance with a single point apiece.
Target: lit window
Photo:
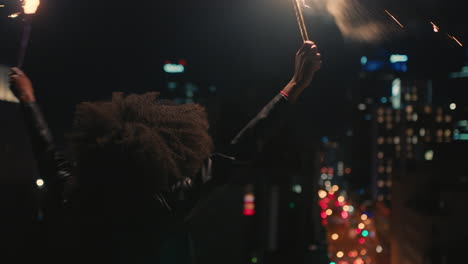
(380, 111)
(427, 109)
(389, 169)
(409, 109)
(380, 140)
(422, 132)
(409, 132)
(389, 183)
(381, 169)
(380, 184)
(448, 133)
(429, 155)
(380, 155)
(448, 118)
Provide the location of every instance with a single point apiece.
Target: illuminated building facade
(413, 133)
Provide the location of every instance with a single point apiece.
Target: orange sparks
(30, 6)
(14, 15)
(435, 27)
(455, 39)
(394, 18)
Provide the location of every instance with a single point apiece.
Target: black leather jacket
(186, 196)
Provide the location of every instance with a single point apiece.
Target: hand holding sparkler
(308, 61)
(21, 86)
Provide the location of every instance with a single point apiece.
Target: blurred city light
(40, 183)
(173, 68)
(297, 188)
(379, 249)
(398, 58)
(429, 155)
(322, 194)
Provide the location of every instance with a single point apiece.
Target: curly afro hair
(139, 140)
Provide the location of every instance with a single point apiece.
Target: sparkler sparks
(394, 18)
(14, 15)
(455, 39)
(30, 6)
(435, 27)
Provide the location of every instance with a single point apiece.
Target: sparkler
(300, 20)
(29, 9)
(455, 39)
(435, 27)
(394, 18)
(14, 15)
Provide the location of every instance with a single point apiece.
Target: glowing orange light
(339, 254)
(30, 6)
(361, 226)
(358, 261)
(14, 15)
(364, 217)
(335, 236)
(329, 212)
(322, 194)
(435, 27)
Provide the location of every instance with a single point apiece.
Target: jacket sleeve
(253, 137)
(54, 168)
